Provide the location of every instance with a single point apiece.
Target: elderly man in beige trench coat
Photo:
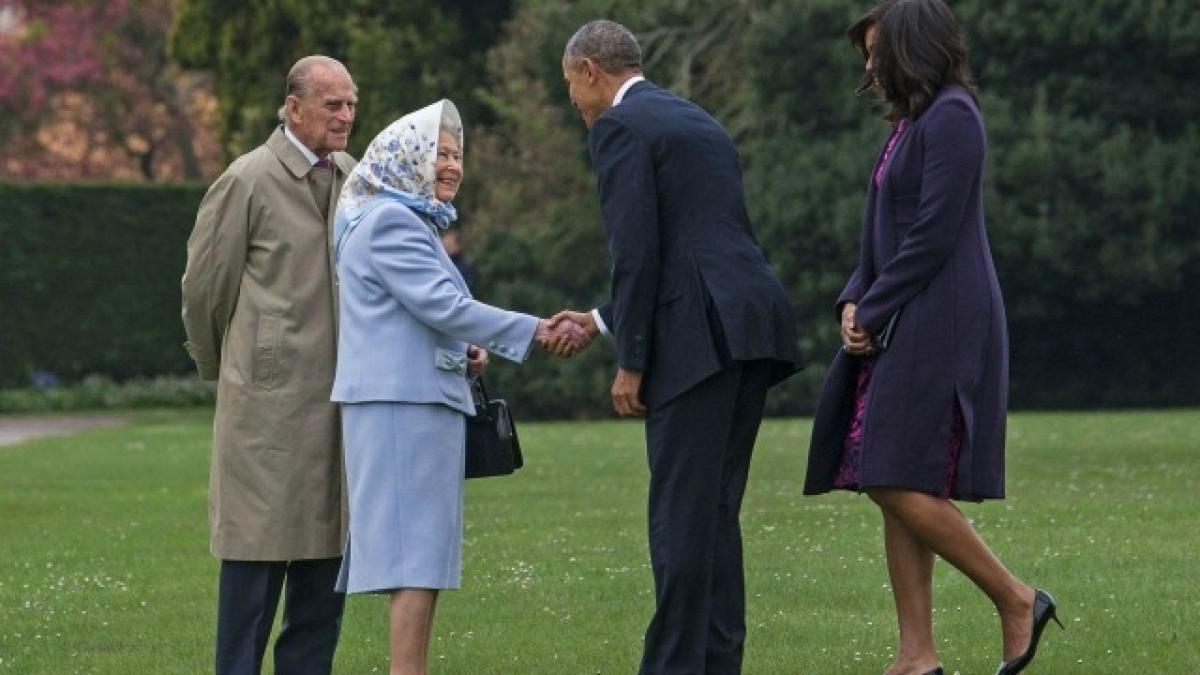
(259, 308)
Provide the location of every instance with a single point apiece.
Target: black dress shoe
(935, 671)
(1044, 609)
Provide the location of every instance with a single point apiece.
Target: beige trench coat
(260, 310)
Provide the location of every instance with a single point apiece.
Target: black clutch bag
(884, 339)
(492, 445)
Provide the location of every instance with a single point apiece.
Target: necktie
(320, 183)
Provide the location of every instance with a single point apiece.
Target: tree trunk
(146, 163)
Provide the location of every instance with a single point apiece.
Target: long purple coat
(924, 253)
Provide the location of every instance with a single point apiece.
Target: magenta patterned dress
(852, 447)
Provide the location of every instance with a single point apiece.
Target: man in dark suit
(702, 328)
(452, 242)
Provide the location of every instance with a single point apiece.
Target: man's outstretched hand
(567, 333)
(561, 337)
(627, 386)
(584, 320)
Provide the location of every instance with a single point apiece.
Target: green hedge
(89, 279)
(97, 392)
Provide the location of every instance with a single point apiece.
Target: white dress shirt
(625, 88)
(308, 154)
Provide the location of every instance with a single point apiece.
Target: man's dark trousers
(699, 446)
(312, 616)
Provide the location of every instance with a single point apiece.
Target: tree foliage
(87, 90)
(402, 55)
(89, 279)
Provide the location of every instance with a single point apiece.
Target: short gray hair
(300, 77)
(606, 43)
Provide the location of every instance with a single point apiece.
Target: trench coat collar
(345, 163)
(289, 155)
(295, 161)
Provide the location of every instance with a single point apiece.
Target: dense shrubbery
(97, 392)
(89, 279)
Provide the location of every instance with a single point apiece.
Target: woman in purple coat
(913, 408)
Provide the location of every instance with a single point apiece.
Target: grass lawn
(105, 566)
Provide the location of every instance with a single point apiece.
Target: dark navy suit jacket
(691, 289)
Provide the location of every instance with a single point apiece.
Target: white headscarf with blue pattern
(400, 164)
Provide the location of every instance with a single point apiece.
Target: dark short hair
(919, 50)
(606, 43)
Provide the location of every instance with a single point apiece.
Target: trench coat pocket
(266, 352)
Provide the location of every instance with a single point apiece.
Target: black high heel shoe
(1044, 609)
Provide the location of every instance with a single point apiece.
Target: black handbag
(492, 445)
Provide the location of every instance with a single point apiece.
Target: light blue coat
(407, 316)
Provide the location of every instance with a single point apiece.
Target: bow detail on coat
(455, 362)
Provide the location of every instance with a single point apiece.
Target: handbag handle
(480, 395)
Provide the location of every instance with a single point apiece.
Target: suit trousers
(312, 616)
(699, 446)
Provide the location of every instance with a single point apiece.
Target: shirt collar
(625, 88)
(308, 154)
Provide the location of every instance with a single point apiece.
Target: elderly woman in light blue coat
(410, 336)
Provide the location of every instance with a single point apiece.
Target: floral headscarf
(400, 164)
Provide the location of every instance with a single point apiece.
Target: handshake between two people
(567, 333)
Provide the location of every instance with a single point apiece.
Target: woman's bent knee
(898, 500)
